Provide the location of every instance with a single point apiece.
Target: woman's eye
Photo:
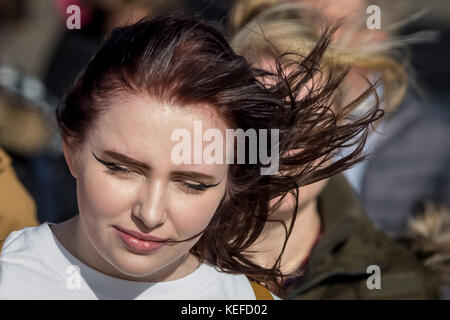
(117, 170)
(113, 168)
(192, 188)
(195, 188)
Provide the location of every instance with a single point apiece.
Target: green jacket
(337, 266)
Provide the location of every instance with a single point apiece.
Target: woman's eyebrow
(187, 174)
(125, 159)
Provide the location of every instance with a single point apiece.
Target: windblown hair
(182, 60)
(154, 5)
(296, 27)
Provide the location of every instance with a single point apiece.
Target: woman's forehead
(141, 110)
(145, 128)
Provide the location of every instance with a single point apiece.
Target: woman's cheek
(101, 195)
(191, 214)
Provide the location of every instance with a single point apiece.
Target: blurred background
(40, 57)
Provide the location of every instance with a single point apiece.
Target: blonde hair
(266, 25)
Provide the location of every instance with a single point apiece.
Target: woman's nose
(151, 209)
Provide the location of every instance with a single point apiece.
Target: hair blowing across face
(182, 60)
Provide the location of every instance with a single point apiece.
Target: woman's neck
(301, 241)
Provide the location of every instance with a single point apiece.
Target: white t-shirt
(34, 265)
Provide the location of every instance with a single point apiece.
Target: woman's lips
(139, 243)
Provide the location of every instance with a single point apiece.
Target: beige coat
(17, 208)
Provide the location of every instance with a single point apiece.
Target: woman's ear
(70, 155)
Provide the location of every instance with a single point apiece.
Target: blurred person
(26, 130)
(428, 235)
(22, 130)
(28, 32)
(150, 226)
(17, 208)
(409, 150)
(29, 133)
(25, 126)
(332, 242)
(99, 17)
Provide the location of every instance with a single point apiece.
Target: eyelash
(114, 169)
(192, 188)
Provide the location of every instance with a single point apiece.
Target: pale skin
(153, 197)
(303, 236)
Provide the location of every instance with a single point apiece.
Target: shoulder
(262, 293)
(402, 275)
(17, 207)
(5, 160)
(21, 241)
(240, 287)
(20, 247)
(21, 266)
(226, 286)
(15, 243)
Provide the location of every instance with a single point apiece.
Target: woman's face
(128, 183)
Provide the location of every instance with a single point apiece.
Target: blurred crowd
(404, 183)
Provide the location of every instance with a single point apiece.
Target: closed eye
(114, 168)
(200, 186)
(193, 188)
(196, 188)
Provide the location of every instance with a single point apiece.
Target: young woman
(150, 227)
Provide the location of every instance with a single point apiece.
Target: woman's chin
(134, 269)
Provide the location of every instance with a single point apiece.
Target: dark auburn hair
(180, 59)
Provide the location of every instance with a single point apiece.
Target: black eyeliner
(109, 165)
(102, 161)
(202, 186)
(199, 186)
